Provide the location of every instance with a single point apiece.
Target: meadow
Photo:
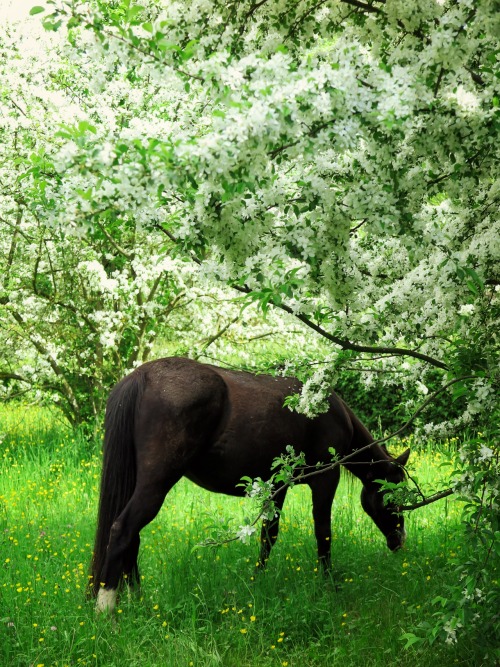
(210, 606)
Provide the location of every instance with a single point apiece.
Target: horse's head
(385, 516)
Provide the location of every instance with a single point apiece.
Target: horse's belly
(241, 454)
(215, 472)
(214, 484)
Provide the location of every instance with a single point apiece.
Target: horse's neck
(362, 456)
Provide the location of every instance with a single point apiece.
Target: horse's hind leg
(130, 566)
(180, 409)
(121, 556)
(270, 529)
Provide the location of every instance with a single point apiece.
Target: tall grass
(207, 607)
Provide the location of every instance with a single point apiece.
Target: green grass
(208, 607)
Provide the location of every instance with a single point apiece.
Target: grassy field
(208, 606)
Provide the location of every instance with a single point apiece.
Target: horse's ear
(403, 458)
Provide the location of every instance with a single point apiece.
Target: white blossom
(245, 532)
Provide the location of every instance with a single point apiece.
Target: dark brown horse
(175, 417)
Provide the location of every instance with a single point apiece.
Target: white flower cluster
(245, 532)
(450, 628)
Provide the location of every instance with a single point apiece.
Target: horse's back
(182, 398)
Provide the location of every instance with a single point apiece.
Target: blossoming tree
(79, 310)
(338, 161)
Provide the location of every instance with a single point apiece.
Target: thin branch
(12, 249)
(415, 483)
(379, 441)
(218, 334)
(145, 52)
(313, 133)
(475, 77)
(438, 81)
(426, 501)
(16, 395)
(362, 5)
(355, 229)
(128, 255)
(302, 18)
(18, 108)
(443, 177)
(58, 371)
(253, 9)
(168, 234)
(19, 231)
(382, 371)
(52, 271)
(341, 342)
(428, 400)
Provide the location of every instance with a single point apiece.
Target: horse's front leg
(270, 529)
(323, 488)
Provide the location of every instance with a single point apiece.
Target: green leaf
(472, 287)
(85, 126)
(50, 24)
(134, 12)
(36, 10)
(460, 389)
(410, 639)
(473, 274)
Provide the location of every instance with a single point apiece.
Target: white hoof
(106, 600)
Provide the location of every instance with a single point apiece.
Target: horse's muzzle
(396, 539)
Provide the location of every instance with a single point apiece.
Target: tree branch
(12, 376)
(341, 342)
(346, 344)
(218, 334)
(475, 77)
(426, 501)
(362, 5)
(58, 371)
(128, 255)
(303, 17)
(330, 466)
(301, 477)
(313, 133)
(12, 249)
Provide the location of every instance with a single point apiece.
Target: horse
(175, 417)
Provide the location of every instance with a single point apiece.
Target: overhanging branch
(318, 470)
(426, 501)
(13, 376)
(341, 342)
(346, 344)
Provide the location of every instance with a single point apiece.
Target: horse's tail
(119, 467)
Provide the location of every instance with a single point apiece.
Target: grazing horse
(176, 417)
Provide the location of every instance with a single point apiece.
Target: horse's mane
(362, 436)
